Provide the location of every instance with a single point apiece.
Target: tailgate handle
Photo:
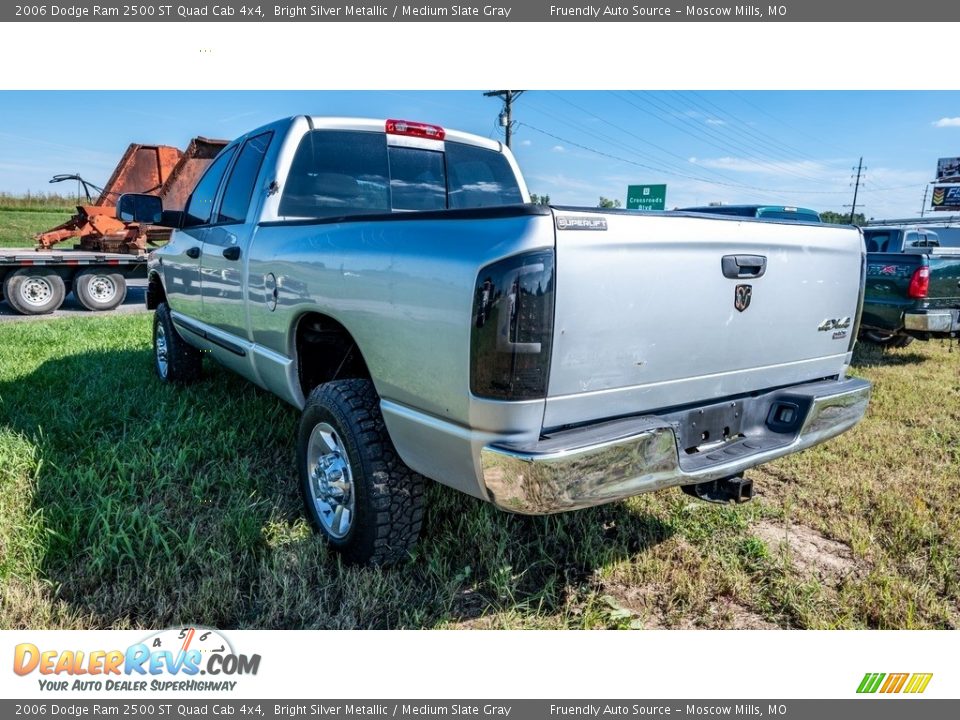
(743, 266)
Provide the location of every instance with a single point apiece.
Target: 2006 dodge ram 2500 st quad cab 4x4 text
(392, 280)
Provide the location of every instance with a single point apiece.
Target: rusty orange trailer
(153, 169)
(109, 252)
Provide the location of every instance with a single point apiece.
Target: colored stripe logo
(913, 683)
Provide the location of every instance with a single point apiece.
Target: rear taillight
(415, 129)
(512, 332)
(919, 283)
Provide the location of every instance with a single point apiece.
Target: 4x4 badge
(741, 297)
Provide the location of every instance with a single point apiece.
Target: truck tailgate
(944, 289)
(650, 316)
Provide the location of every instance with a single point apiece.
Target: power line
(751, 134)
(699, 135)
(645, 141)
(709, 135)
(817, 140)
(669, 172)
(553, 115)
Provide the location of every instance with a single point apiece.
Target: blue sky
(779, 147)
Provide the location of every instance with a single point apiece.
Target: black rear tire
(34, 291)
(99, 290)
(173, 359)
(386, 498)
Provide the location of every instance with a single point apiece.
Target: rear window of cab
(344, 172)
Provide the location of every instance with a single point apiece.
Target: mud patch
(649, 607)
(772, 486)
(730, 614)
(809, 552)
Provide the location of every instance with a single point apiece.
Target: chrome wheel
(160, 349)
(101, 288)
(36, 291)
(330, 481)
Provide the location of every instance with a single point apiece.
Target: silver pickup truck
(391, 280)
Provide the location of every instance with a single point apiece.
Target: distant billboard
(646, 197)
(946, 197)
(948, 169)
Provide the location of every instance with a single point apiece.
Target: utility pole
(506, 115)
(856, 188)
(923, 205)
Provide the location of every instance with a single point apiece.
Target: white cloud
(526, 143)
(559, 148)
(947, 122)
(714, 121)
(560, 181)
(773, 167)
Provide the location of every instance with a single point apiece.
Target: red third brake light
(415, 129)
(919, 283)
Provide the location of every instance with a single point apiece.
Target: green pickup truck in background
(913, 286)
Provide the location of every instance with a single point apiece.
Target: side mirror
(133, 207)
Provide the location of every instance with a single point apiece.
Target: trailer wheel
(99, 290)
(34, 291)
(174, 360)
(357, 491)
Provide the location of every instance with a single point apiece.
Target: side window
(337, 172)
(200, 206)
(417, 179)
(479, 177)
(243, 177)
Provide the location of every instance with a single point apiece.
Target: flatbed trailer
(35, 282)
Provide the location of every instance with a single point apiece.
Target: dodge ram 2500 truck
(913, 286)
(392, 281)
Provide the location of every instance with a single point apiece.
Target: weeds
(125, 503)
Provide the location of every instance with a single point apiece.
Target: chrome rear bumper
(616, 460)
(932, 321)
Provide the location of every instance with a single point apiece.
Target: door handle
(232, 253)
(193, 252)
(743, 266)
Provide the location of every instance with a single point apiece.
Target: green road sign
(646, 197)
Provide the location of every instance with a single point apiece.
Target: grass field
(126, 503)
(18, 225)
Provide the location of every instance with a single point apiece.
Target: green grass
(125, 503)
(17, 226)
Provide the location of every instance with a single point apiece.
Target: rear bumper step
(940, 322)
(616, 460)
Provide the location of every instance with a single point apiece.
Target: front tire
(100, 290)
(357, 492)
(173, 359)
(34, 291)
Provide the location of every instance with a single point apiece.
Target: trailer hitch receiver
(732, 489)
